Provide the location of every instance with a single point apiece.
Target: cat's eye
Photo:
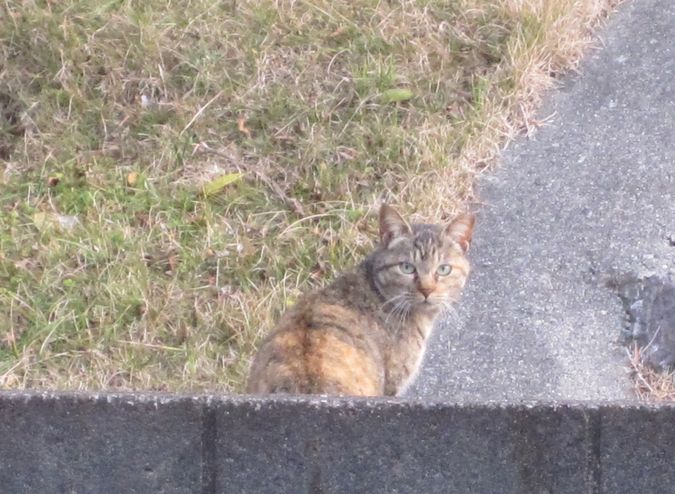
(444, 270)
(406, 268)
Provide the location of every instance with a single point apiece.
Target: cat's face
(420, 268)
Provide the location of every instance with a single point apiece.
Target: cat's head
(420, 268)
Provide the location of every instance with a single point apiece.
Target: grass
(126, 262)
(650, 384)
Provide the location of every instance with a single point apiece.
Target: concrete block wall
(146, 443)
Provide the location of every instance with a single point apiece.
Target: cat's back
(328, 343)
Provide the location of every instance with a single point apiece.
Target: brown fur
(365, 334)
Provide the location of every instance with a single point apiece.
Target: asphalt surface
(589, 200)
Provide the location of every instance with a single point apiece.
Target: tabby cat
(365, 333)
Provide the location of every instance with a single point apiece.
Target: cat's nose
(426, 291)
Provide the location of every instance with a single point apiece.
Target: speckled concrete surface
(152, 443)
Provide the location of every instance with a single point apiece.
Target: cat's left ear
(460, 230)
(392, 225)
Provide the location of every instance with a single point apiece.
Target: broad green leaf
(396, 95)
(217, 184)
(40, 220)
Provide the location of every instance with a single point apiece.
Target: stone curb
(145, 443)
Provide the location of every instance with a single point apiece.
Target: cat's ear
(392, 225)
(460, 230)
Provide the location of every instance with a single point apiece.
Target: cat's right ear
(460, 230)
(392, 225)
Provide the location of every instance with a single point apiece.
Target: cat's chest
(407, 353)
(415, 340)
(415, 329)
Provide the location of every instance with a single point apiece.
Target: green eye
(406, 268)
(444, 270)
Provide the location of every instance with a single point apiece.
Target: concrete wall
(168, 443)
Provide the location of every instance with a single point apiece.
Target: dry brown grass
(116, 271)
(531, 67)
(650, 384)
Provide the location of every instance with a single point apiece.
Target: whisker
(398, 301)
(450, 311)
(391, 300)
(446, 305)
(401, 309)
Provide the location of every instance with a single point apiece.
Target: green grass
(118, 271)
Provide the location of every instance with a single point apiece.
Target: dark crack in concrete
(650, 308)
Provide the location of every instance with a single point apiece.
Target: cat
(365, 334)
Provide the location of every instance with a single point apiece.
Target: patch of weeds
(11, 128)
(650, 384)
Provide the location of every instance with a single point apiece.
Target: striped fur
(365, 334)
